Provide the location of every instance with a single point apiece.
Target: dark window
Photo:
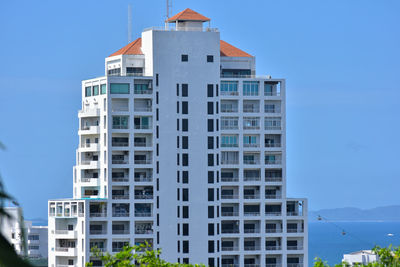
(210, 212)
(210, 90)
(210, 159)
(217, 211)
(217, 176)
(177, 142)
(158, 202)
(185, 229)
(210, 177)
(184, 58)
(177, 176)
(210, 125)
(178, 214)
(211, 262)
(210, 194)
(157, 114)
(217, 125)
(177, 159)
(157, 149)
(217, 194)
(185, 125)
(158, 184)
(177, 107)
(185, 89)
(185, 177)
(210, 229)
(179, 246)
(157, 98)
(185, 260)
(217, 142)
(177, 89)
(178, 228)
(177, 194)
(158, 237)
(185, 142)
(185, 194)
(177, 124)
(157, 79)
(70, 262)
(210, 58)
(185, 246)
(217, 228)
(158, 166)
(211, 246)
(216, 107)
(185, 159)
(158, 219)
(210, 108)
(210, 141)
(216, 90)
(217, 159)
(185, 108)
(157, 131)
(185, 212)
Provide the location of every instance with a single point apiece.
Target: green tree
(142, 254)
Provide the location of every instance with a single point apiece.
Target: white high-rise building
(183, 146)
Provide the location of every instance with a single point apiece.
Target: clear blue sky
(341, 60)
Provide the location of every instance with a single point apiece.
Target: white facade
(360, 257)
(36, 236)
(178, 149)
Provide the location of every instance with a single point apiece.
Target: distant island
(387, 213)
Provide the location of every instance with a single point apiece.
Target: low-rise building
(360, 257)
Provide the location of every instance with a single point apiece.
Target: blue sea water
(327, 241)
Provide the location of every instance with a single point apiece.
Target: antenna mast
(129, 23)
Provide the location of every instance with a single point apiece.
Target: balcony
(143, 214)
(143, 109)
(143, 161)
(229, 179)
(229, 248)
(295, 230)
(230, 231)
(89, 112)
(273, 179)
(89, 130)
(144, 178)
(144, 228)
(120, 232)
(229, 196)
(120, 196)
(89, 147)
(251, 248)
(98, 232)
(120, 179)
(273, 230)
(251, 109)
(120, 144)
(142, 126)
(229, 161)
(143, 194)
(143, 91)
(276, 247)
(98, 214)
(255, 195)
(298, 247)
(277, 195)
(229, 213)
(120, 214)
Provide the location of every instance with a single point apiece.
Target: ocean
(326, 239)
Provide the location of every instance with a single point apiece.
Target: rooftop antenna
(168, 11)
(129, 23)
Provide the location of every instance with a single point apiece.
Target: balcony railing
(143, 196)
(143, 92)
(232, 93)
(142, 109)
(272, 144)
(143, 214)
(229, 179)
(267, 127)
(272, 110)
(251, 265)
(120, 232)
(125, 196)
(295, 265)
(292, 213)
(273, 247)
(273, 162)
(273, 213)
(88, 179)
(98, 232)
(298, 247)
(230, 265)
(252, 196)
(229, 110)
(251, 145)
(226, 196)
(98, 214)
(229, 213)
(295, 230)
(251, 178)
(273, 196)
(229, 127)
(273, 265)
(273, 179)
(120, 179)
(139, 231)
(251, 161)
(143, 161)
(123, 144)
(230, 231)
(251, 109)
(251, 231)
(234, 248)
(251, 213)
(144, 179)
(142, 126)
(229, 161)
(252, 247)
(229, 145)
(142, 144)
(120, 127)
(119, 161)
(120, 214)
(273, 231)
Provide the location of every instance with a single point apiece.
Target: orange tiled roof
(228, 50)
(133, 48)
(188, 15)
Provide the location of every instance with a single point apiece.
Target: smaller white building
(360, 257)
(36, 236)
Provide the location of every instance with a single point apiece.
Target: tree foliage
(388, 257)
(142, 254)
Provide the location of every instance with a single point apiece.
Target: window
(177, 107)
(119, 88)
(33, 247)
(210, 212)
(210, 125)
(229, 141)
(120, 122)
(185, 194)
(211, 262)
(185, 229)
(114, 72)
(250, 88)
(250, 141)
(185, 159)
(156, 79)
(210, 177)
(229, 88)
(184, 58)
(185, 246)
(210, 229)
(33, 237)
(96, 90)
(185, 177)
(185, 142)
(210, 58)
(210, 141)
(177, 89)
(88, 91)
(185, 107)
(210, 160)
(272, 123)
(70, 262)
(185, 125)
(103, 89)
(210, 194)
(210, 246)
(185, 212)
(210, 108)
(210, 90)
(141, 88)
(185, 90)
(229, 123)
(251, 123)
